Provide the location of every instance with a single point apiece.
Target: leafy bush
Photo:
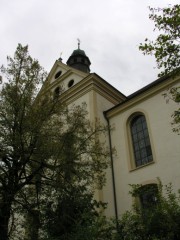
(159, 221)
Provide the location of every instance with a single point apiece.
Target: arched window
(148, 195)
(140, 141)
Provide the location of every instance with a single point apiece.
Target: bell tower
(79, 60)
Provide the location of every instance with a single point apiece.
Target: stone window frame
(132, 161)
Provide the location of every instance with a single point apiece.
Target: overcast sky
(110, 32)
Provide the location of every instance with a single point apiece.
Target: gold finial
(78, 43)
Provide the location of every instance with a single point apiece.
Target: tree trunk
(5, 210)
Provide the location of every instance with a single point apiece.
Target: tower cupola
(79, 60)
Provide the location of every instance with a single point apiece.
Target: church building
(141, 131)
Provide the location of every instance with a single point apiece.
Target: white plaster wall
(63, 84)
(165, 145)
(63, 70)
(74, 77)
(80, 101)
(102, 104)
(96, 104)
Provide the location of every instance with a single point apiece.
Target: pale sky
(110, 32)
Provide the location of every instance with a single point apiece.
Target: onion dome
(79, 60)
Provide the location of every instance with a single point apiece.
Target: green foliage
(70, 209)
(174, 95)
(20, 129)
(98, 229)
(76, 217)
(159, 221)
(49, 153)
(79, 171)
(166, 47)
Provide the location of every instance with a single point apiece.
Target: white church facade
(146, 147)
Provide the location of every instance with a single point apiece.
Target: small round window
(71, 82)
(58, 74)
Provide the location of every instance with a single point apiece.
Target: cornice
(92, 82)
(142, 95)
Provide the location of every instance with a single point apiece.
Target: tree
(44, 145)
(166, 49)
(65, 201)
(17, 137)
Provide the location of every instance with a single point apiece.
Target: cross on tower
(79, 43)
